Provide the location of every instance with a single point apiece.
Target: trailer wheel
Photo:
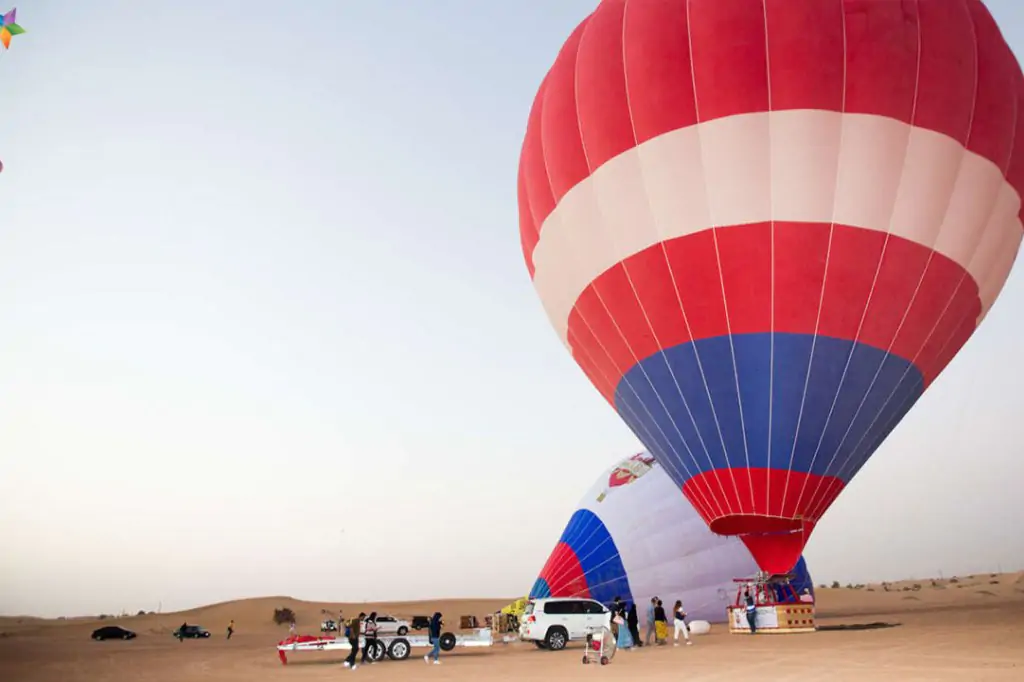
(447, 641)
(399, 649)
(376, 651)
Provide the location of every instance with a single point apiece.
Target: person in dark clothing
(181, 631)
(353, 640)
(369, 636)
(633, 623)
(660, 623)
(435, 638)
(748, 599)
(231, 628)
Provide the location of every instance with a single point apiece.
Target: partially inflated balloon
(763, 228)
(635, 536)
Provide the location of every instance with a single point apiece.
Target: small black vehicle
(191, 632)
(420, 622)
(112, 632)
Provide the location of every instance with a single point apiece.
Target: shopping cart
(600, 646)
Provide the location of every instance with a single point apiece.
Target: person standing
(660, 623)
(633, 622)
(435, 638)
(353, 641)
(369, 637)
(617, 620)
(623, 639)
(650, 621)
(679, 620)
(751, 611)
(231, 628)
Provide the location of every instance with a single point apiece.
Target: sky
(267, 329)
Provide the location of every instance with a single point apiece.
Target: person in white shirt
(680, 623)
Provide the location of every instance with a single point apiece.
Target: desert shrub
(283, 615)
(954, 580)
(103, 616)
(141, 613)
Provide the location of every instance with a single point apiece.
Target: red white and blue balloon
(763, 227)
(634, 536)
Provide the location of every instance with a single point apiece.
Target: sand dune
(964, 628)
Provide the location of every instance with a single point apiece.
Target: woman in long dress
(623, 639)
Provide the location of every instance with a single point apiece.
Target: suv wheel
(403, 631)
(556, 639)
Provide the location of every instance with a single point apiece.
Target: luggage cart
(600, 646)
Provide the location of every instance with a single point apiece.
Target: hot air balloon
(635, 536)
(762, 228)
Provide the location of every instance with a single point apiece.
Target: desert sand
(967, 628)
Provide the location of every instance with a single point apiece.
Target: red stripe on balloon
(920, 297)
(794, 495)
(563, 573)
(631, 72)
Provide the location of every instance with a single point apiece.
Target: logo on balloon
(628, 471)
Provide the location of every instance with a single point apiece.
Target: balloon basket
(779, 610)
(773, 619)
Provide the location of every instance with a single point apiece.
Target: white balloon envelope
(635, 536)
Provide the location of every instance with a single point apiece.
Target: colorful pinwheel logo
(10, 28)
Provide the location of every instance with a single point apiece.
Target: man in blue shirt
(650, 621)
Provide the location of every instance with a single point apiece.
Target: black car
(191, 632)
(420, 622)
(112, 632)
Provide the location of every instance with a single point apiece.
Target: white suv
(553, 623)
(389, 625)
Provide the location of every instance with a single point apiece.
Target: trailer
(395, 647)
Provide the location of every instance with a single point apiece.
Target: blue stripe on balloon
(802, 578)
(648, 395)
(540, 589)
(598, 555)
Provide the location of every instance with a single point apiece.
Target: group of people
(366, 626)
(626, 624)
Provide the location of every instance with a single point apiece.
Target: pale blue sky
(267, 328)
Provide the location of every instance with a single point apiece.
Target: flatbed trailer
(395, 647)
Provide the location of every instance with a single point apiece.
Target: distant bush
(835, 584)
(103, 616)
(954, 580)
(282, 616)
(141, 613)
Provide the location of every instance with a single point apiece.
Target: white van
(553, 623)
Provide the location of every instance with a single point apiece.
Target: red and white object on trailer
(393, 647)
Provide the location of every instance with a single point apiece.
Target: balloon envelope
(764, 227)
(635, 536)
